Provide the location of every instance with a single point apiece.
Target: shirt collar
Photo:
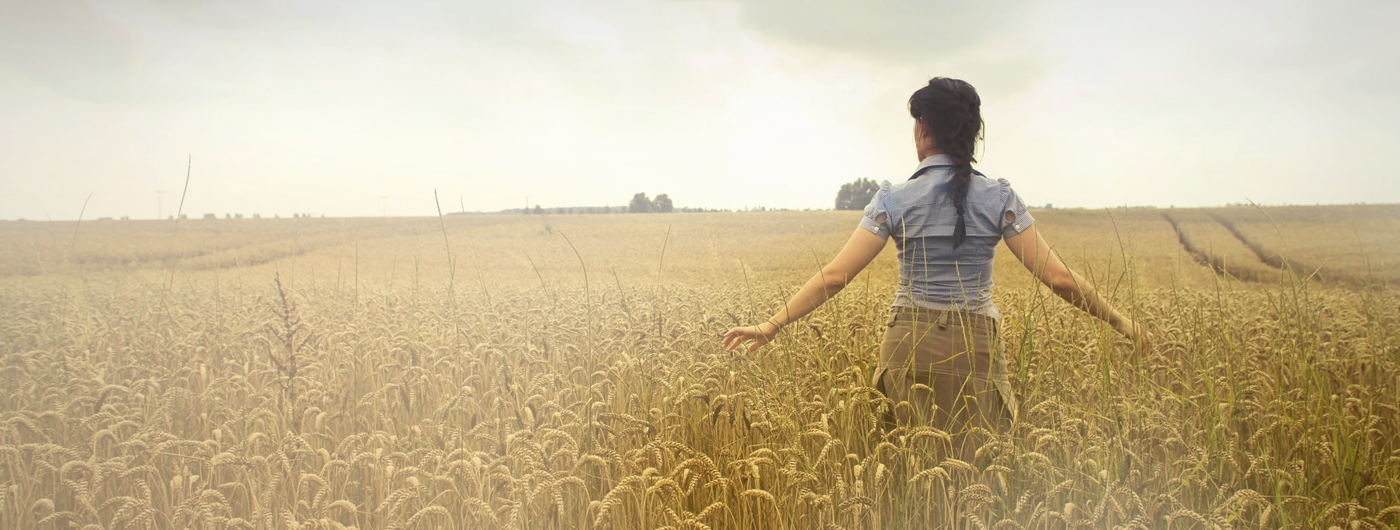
(933, 161)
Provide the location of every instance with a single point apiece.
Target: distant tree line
(567, 210)
(641, 204)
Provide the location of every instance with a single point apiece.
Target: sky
(358, 108)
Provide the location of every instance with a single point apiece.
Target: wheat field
(565, 372)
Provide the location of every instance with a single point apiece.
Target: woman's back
(944, 365)
(920, 215)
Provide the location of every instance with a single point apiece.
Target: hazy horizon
(327, 108)
(168, 215)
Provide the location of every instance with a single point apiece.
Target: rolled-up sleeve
(878, 218)
(1014, 217)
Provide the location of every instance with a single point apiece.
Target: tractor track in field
(1277, 261)
(1268, 258)
(1196, 254)
(1215, 263)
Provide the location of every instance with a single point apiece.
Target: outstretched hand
(755, 336)
(1137, 334)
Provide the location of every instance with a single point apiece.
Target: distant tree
(641, 204)
(538, 210)
(856, 194)
(663, 203)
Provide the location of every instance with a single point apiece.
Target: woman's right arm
(1046, 266)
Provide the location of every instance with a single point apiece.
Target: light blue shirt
(920, 215)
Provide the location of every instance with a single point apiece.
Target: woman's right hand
(756, 336)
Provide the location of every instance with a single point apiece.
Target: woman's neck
(926, 152)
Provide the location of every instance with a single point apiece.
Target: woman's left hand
(757, 336)
(1136, 333)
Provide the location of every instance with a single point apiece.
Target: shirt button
(1018, 226)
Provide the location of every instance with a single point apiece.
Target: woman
(941, 360)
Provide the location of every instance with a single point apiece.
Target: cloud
(991, 44)
(886, 30)
(68, 47)
(171, 52)
(590, 102)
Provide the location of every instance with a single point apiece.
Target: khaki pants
(946, 369)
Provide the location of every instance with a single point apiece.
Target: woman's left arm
(859, 251)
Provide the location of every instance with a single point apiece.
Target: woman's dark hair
(951, 113)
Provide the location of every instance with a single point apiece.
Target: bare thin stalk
(179, 212)
(451, 267)
(74, 243)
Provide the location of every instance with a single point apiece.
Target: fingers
(1144, 340)
(736, 337)
(1145, 337)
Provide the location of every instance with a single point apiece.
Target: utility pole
(160, 204)
(384, 206)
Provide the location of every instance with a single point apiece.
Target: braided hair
(951, 113)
